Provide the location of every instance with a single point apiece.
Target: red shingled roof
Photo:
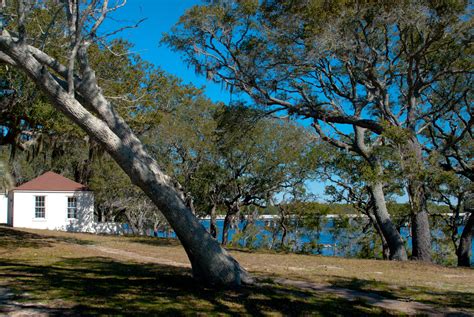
(50, 181)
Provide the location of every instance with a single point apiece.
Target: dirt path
(399, 306)
(135, 256)
(409, 308)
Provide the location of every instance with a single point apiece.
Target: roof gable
(50, 181)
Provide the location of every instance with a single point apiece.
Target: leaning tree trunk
(389, 230)
(385, 248)
(465, 243)
(211, 264)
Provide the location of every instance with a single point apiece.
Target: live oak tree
(299, 220)
(40, 139)
(118, 200)
(366, 157)
(54, 144)
(30, 124)
(259, 160)
(186, 143)
(345, 65)
(457, 194)
(28, 121)
(70, 83)
(450, 153)
(231, 158)
(357, 183)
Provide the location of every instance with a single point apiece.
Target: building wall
(56, 211)
(3, 208)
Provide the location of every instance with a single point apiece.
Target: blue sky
(160, 16)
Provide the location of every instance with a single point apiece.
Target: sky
(160, 17)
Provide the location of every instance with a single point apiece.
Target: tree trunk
(236, 221)
(385, 247)
(283, 226)
(131, 223)
(465, 243)
(385, 250)
(190, 203)
(83, 170)
(233, 211)
(210, 262)
(389, 231)
(274, 235)
(283, 235)
(421, 235)
(212, 225)
(225, 229)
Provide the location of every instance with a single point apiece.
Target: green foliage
(444, 249)
(230, 155)
(399, 70)
(6, 180)
(392, 69)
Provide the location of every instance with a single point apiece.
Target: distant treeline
(318, 208)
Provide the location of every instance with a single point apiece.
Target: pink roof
(50, 181)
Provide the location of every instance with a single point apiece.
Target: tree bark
(131, 223)
(233, 211)
(225, 229)
(210, 262)
(283, 226)
(212, 225)
(421, 235)
(389, 230)
(385, 247)
(236, 221)
(465, 243)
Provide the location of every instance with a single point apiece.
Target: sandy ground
(312, 273)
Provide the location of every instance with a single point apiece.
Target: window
(40, 210)
(72, 207)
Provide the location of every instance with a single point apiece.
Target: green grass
(100, 285)
(60, 273)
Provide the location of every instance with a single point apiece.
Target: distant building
(3, 208)
(53, 202)
(49, 201)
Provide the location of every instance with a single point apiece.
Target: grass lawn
(59, 273)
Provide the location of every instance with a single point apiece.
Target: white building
(3, 208)
(52, 202)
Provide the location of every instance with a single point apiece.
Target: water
(329, 245)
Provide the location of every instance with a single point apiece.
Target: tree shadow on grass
(99, 285)
(11, 239)
(453, 299)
